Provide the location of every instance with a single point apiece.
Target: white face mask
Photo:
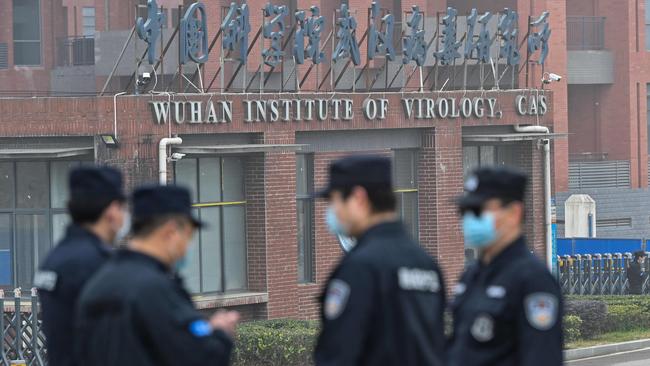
(124, 229)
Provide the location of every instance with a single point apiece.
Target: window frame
(198, 205)
(405, 192)
(39, 41)
(84, 26)
(49, 212)
(306, 274)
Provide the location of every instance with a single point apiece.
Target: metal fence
(20, 329)
(597, 274)
(585, 33)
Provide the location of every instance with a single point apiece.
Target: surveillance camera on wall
(177, 156)
(144, 79)
(551, 77)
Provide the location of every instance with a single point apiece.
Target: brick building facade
(269, 251)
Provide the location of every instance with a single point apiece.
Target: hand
(226, 321)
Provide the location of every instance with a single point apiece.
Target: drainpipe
(162, 157)
(115, 113)
(546, 145)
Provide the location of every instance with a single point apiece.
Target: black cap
(90, 183)
(155, 201)
(360, 170)
(485, 184)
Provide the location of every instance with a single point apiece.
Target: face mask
(124, 229)
(181, 264)
(479, 231)
(333, 223)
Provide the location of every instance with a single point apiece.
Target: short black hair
(382, 198)
(639, 254)
(89, 211)
(143, 227)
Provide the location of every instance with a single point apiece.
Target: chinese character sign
(449, 52)
(236, 27)
(312, 29)
(508, 30)
(481, 45)
(194, 35)
(347, 46)
(274, 31)
(380, 39)
(414, 46)
(149, 30)
(539, 40)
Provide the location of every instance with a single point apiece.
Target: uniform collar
(78, 231)
(380, 230)
(131, 255)
(515, 250)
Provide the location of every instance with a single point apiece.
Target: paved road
(634, 358)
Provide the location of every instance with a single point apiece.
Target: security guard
(507, 307)
(635, 275)
(97, 209)
(135, 311)
(384, 303)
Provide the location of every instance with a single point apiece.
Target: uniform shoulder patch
(45, 280)
(200, 328)
(541, 310)
(336, 299)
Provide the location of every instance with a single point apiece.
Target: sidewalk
(605, 349)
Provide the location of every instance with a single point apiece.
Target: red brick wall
(270, 179)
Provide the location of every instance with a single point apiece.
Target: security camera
(144, 79)
(551, 77)
(177, 156)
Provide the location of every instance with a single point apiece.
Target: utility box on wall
(580, 217)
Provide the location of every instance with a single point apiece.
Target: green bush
(572, 325)
(275, 343)
(593, 314)
(624, 313)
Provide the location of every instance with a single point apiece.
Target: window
(217, 256)
(648, 114)
(305, 216)
(88, 15)
(647, 25)
(33, 218)
(405, 168)
(27, 32)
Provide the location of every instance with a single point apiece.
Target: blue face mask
(181, 264)
(333, 223)
(479, 231)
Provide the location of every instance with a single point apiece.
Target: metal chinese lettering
(380, 38)
(274, 31)
(312, 29)
(149, 30)
(539, 40)
(194, 35)
(414, 47)
(450, 46)
(236, 27)
(478, 48)
(347, 46)
(508, 30)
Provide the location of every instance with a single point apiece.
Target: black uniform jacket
(383, 304)
(635, 277)
(60, 280)
(508, 312)
(135, 312)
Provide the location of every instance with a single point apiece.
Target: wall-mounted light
(109, 140)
